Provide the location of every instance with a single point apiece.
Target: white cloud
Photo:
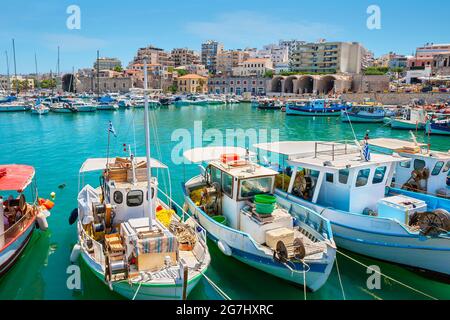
(73, 42)
(250, 28)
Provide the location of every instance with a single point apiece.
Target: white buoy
(226, 250)
(75, 253)
(42, 221)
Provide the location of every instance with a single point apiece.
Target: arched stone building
(308, 84)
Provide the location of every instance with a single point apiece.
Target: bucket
(220, 219)
(265, 204)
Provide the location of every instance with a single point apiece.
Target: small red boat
(19, 217)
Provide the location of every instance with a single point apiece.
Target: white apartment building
(253, 67)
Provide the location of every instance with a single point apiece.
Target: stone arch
(277, 84)
(290, 83)
(305, 84)
(326, 84)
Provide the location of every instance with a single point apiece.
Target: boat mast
(7, 72)
(36, 69)
(15, 67)
(98, 75)
(147, 146)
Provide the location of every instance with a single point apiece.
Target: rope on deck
(340, 280)
(388, 277)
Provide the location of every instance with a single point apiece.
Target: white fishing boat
(14, 106)
(131, 239)
(81, 106)
(347, 186)
(62, 107)
(107, 106)
(40, 109)
(412, 119)
(19, 217)
(232, 200)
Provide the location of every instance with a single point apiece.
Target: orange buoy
(49, 204)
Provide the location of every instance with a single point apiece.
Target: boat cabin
(330, 174)
(424, 171)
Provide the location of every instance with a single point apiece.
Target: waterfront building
(210, 50)
(184, 56)
(441, 64)
(158, 76)
(276, 53)
(192, 83)
(329, 57)
(254, 67)
(153, 55)
(392, 60)
(105, 63)
(237, 85)
(107, 81)
(229, 59)
(424, 56)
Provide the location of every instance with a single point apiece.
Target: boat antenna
(147, 146)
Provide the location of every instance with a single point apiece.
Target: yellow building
(192, 83)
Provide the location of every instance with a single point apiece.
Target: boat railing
(18, 227)
(334, 149)
(90, 244)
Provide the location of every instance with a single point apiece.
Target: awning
(15, 177)
(97, 164)
(197, 155)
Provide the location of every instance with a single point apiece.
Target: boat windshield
(251, 187)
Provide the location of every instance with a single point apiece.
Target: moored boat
(19, 217)
(315, 107)
(232, 200)
(363, 114)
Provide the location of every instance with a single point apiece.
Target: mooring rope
(340, 279)
(216, 287)
(137, 290)
(388, 277)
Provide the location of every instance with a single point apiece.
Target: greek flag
(111, 129)
(366, 152)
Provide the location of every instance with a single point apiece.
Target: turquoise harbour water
(57, 144)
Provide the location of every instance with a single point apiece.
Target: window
(251, 187)
(378, 177)
(437, 168)
(135, 198)
(216, 175)
(329, 177)
(419, 164)
(447, 167)
(227, 184)
(362, 178)
(343, 176)
(118, 197)
(405, 164)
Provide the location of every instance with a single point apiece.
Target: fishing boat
(107, 106)
(232, 199)
(427, 172)
(315, 107)
(14, 106)
(412, 119)
(62, 107)
(269, 104)
(40, 109)
(363, 114)
(82, 106)
(19, 217)
(125, 104)
(439, 126)
(349, 186)
(131, 239)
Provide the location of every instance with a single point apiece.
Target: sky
(119, 28)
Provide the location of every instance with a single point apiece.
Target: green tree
(118, 69)
(268, 74)
(182, 72)
(48, 84)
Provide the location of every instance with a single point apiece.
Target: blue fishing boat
(315, 107)
(346, 184)
(232, 199)
(440, 127)
(364, 114)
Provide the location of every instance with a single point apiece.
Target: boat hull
(10, 254)
(87, 109)
(346, 117)
(406, 125)
(147, 291)
(294, 111)
(384, 239)
(438, 129)
(14, 108)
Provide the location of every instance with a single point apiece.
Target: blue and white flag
(366, 151)
(111, 129)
